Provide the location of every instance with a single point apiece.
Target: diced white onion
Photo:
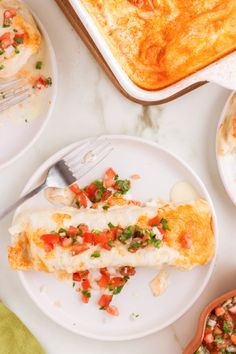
(231, 349)
(211, 323)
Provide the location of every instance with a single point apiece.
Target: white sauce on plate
(183, 192)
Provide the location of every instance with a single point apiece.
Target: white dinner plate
(227, 163)
(21, 127)
(159, 171)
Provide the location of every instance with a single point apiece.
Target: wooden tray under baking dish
(72, 16)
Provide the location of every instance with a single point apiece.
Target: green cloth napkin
(15, 338)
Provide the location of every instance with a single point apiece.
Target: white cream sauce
(183, 192)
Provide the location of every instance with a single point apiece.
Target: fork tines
(87, 156)
(12, 93)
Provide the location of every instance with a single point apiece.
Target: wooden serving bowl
(198, 337)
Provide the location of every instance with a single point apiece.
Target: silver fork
(13, 92)
(69, 169)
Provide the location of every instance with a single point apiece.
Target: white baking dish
(222, 72)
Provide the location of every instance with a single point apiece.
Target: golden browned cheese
(196, 222)
(159, 42)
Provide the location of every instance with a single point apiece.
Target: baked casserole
(159, 42)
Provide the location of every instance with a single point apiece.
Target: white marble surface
(88, 104)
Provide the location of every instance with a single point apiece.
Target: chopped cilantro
(98, 184)
(86, 293)
(102, 308)
(117, 290)
(134, 246)
(49, 81)
(110, 243)
(77, 203)
(127, 233)
(1, 52)
(96, 254)
(2, 67)
(15, 30)
(226, 328)
(73, 284)
(165, 225)
(39, 65)
(62, 231)
(123, 186)
(74, 239)
(18, 40)
(110, 225)
(105, 207)
(219, 339)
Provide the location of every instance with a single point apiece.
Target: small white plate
(17, 135)
(159, 170)
(227, 163)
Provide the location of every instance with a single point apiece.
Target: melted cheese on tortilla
(193, 218)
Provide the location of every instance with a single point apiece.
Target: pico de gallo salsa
(220, 331)
(80, 238)
(108, 284)
(99, 191)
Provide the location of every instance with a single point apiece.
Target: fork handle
(5, 211)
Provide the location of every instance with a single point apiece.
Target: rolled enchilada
(70, 240)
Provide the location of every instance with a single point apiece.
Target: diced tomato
(112, 310)
(117, 281)
(83, 228)
(104, 271)
(101, 238)
(85, 299)
(19, 37)
(91, 190)
(82, 199)
(75, 188)
(154, 221)
(106, 195)
(66, 242)
(208, 330)
(209, 338)
(50, 238)
(80, 195)
(106, 246)
(127, 271)
(40, 83)
(233, 338)
(186, 241)
(135, 202)
(72, 231)
(78, 276)
(219, 311)
(48, 247)
(88, 237)
(135, 176)
(10, 13)
(77, 249)
(105, 300)
(6, 40)
(217, 330)
(233, 309)
(86, 284)
(104, 281)
(109, 178)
